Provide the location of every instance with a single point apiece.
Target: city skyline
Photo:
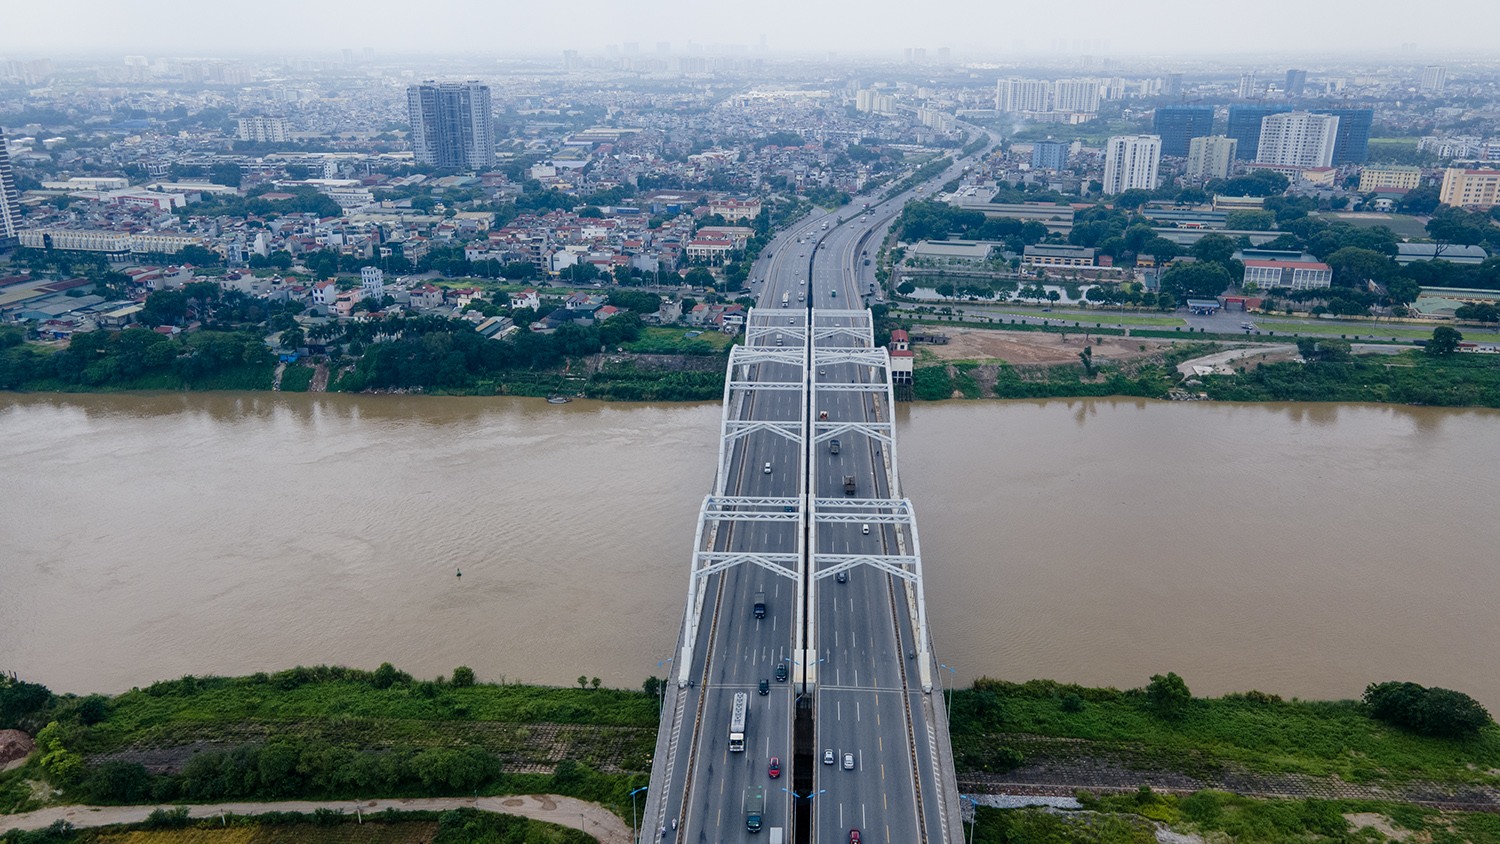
(966, 27)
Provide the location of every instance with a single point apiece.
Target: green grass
(1458, 380)
(295, 378)
(1365, 329)
(673, 341)
(1252, 732)
(1218, 816)
(1404, 225)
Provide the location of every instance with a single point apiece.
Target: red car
(853, 836)
(775, 768)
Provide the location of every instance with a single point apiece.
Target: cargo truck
(848, 484)
(755, 806)
(777, 836)
(760, 605)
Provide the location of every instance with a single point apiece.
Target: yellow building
(1477, 190)
(1389, 176)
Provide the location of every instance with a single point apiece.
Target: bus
(786, 299)
(737, 722)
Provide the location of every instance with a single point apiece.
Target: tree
(1419, 201)
(463, 677)
(1195, 281)
(1168, 695)
(1481, 312)
(385, 676)
(1433, 712)
(1456, 226)
(595, 682)
(1444, 341)
(1353, 266)
(583, 681)
(1132, 199)
(1213, 247)
(699, 277)
(1250, 220)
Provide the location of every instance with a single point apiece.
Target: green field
(1403, 225)
(674, 341)
(1381, 331)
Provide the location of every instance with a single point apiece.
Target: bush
(463, 677)
(168, 818)
(20, 701)
(1431, 712)
(1168, 695)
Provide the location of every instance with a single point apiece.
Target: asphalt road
(862, 634)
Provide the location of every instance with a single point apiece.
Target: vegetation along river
(1298, 549)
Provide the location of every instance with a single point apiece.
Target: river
(1304, 550)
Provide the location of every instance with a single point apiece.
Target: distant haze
(971, 28)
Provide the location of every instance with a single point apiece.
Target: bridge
(805, 590)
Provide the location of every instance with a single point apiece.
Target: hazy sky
(998, 27)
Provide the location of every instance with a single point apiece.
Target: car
(765, 686)
(774, 769)
(828, 757)
(767, 470)
(853, 836)
(848, 761)
(791, 320)
(864, 529)
(781, 673)
(842, 577)
(822, 372)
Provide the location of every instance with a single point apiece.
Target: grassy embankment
(458, 826)
(1227, 819)
(334, 733)
(997, 725)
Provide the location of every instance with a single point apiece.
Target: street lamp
(635, 827)
(804, 796)
(951, 672)
(973, 816)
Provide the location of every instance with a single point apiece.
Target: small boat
(556, 399)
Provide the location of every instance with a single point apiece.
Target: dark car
(781, 673)
(853, 836)
(774, 769)
(765, 687)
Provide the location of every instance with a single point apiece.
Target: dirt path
(564, 811)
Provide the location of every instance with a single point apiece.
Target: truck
(786, 299)
(777, 836)
(737, 722)
(848, 484)
(760, 604)
(755, 806)
(833, 446)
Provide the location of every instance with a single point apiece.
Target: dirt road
(564, 811)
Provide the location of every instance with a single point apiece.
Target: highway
(858, 680)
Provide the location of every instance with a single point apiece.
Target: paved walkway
(564, 811)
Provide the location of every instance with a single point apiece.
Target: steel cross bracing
(738, 422)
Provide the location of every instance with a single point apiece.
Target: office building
(1297, 139)
(1476, 190)
(1049, 155)
(1210, 157)
(452, 125)
(10, 199)
(1177, 125)
(1296, 82)
(1433, 78)
(265, 129)
(1294, 275)
(1247, 86)
(1013, 95)
(1131, 161)
(1076, 95)
(1352, 146)
(1389, 176)
(1171, 85)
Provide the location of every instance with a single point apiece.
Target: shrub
(1168, 695)
(463, 677)
(167, 818)
(1072, 703)
(1431, 712)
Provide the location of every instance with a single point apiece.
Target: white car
(828, 757)
(848, 761)
(767, 470)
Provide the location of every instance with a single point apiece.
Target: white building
(1297, 139)
(371, 283)
(1210, 157)
(1077, 95)
(10, 198)
(1131, 161)
(265, 129)
(1434, 76)
(1012, 95)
